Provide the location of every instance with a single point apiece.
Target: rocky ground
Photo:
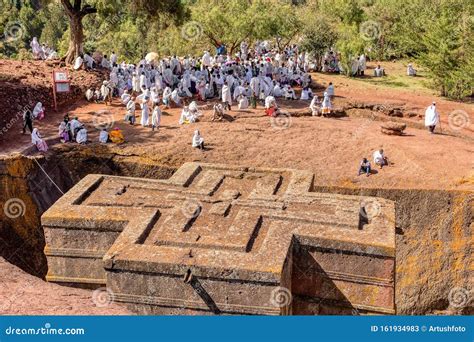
(24, 294)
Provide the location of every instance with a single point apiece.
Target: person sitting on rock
(364, 167)
(380, 159)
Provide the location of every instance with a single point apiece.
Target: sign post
(61, 84)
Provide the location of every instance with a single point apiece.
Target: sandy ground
(331, 148)
(24, 294)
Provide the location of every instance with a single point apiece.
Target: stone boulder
(393, 128)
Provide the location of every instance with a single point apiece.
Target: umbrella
(151, 57)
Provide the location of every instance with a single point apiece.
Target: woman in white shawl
(243, 102)
(156, 118)
(38, 111)
(81, 136)
(104, 136)
(36, 48)
(167, 97)
(144, 121)
(315, 106)
(226, 96)
(198, 140)
(431, 117)
(326, 105)
(38, 141)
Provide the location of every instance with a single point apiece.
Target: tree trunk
(76, 38)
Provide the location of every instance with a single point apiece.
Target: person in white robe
(89, 61)
(167, 97)
(78, 63)
(185, 115)
(36, 49)
(74, 124)
(145, 118)
(326, 106)
(175, 97)
(243, 102)
(38, 111)
(136, 83)
(105, 62)
(106, 92)
(198, 140)
(226, 96)
(104, 136)
(315, 106)
(81, 137)
(155, 97)
(125, 97)
(113, 58)
(89, 95)
(410, 70)
(330, 90)
(277, 92)
(130, 115)
(289, 93)
(431, 117)
(380, 159)
(306, 94)
(156, 118)
(362, 64)
(379, 71)
(205, 60)
(38, 141)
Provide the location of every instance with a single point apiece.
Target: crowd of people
(42, 51)
(260, 75)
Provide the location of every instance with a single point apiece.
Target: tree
(78, 9)
(448, 51)
(318, 37)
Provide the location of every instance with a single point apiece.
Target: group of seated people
(379, 159)
(72, 130)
